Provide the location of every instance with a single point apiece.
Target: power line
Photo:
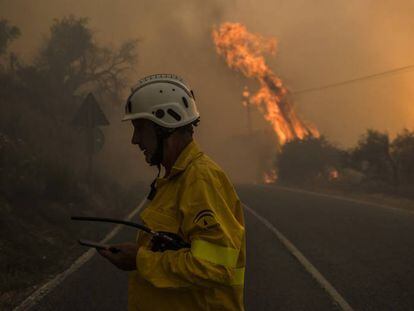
(372, 76)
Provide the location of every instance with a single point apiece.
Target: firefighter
(193, 200)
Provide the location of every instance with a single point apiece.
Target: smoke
(323, 42)
(320, 42)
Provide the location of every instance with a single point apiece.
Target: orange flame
(243, 51)
(333, 174)
(270, 176)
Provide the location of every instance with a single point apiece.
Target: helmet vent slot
(175, 115)
(192, 93)
(185, 102)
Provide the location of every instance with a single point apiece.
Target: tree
(8, 33)
(403, 153)
(39, 99)
(373, 155)
(305, 160)
(72, 63)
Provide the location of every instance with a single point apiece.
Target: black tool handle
(115, 221)
(98, 245)
(163, 241)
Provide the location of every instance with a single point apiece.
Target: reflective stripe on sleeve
(225, 256)
(238, 278)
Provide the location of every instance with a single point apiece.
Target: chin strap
(157, 157)
(162, 133)
(153, 190)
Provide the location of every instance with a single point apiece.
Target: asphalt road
(365, 252)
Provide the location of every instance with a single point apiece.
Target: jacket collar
(189, 153)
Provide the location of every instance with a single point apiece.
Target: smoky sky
(319, 42)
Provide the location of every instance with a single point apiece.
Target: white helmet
(164, 99)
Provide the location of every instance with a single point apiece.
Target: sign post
(89, 117)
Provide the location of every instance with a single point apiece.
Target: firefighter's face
(145, 137)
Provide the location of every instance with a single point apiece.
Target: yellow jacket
(197, 202)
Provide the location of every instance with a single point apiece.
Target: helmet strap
(157, 157)
(153, 190)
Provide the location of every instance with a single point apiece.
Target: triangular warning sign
(90, 114)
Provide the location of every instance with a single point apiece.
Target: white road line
(35, 297)
(304, 262)
(338, 197)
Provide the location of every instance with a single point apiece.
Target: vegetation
(377, 163)
(307, 160)
(8, 33)
(42, 176)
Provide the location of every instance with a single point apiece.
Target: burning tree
(243, 51)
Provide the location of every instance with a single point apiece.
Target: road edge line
(324, 283)
(45, 289)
